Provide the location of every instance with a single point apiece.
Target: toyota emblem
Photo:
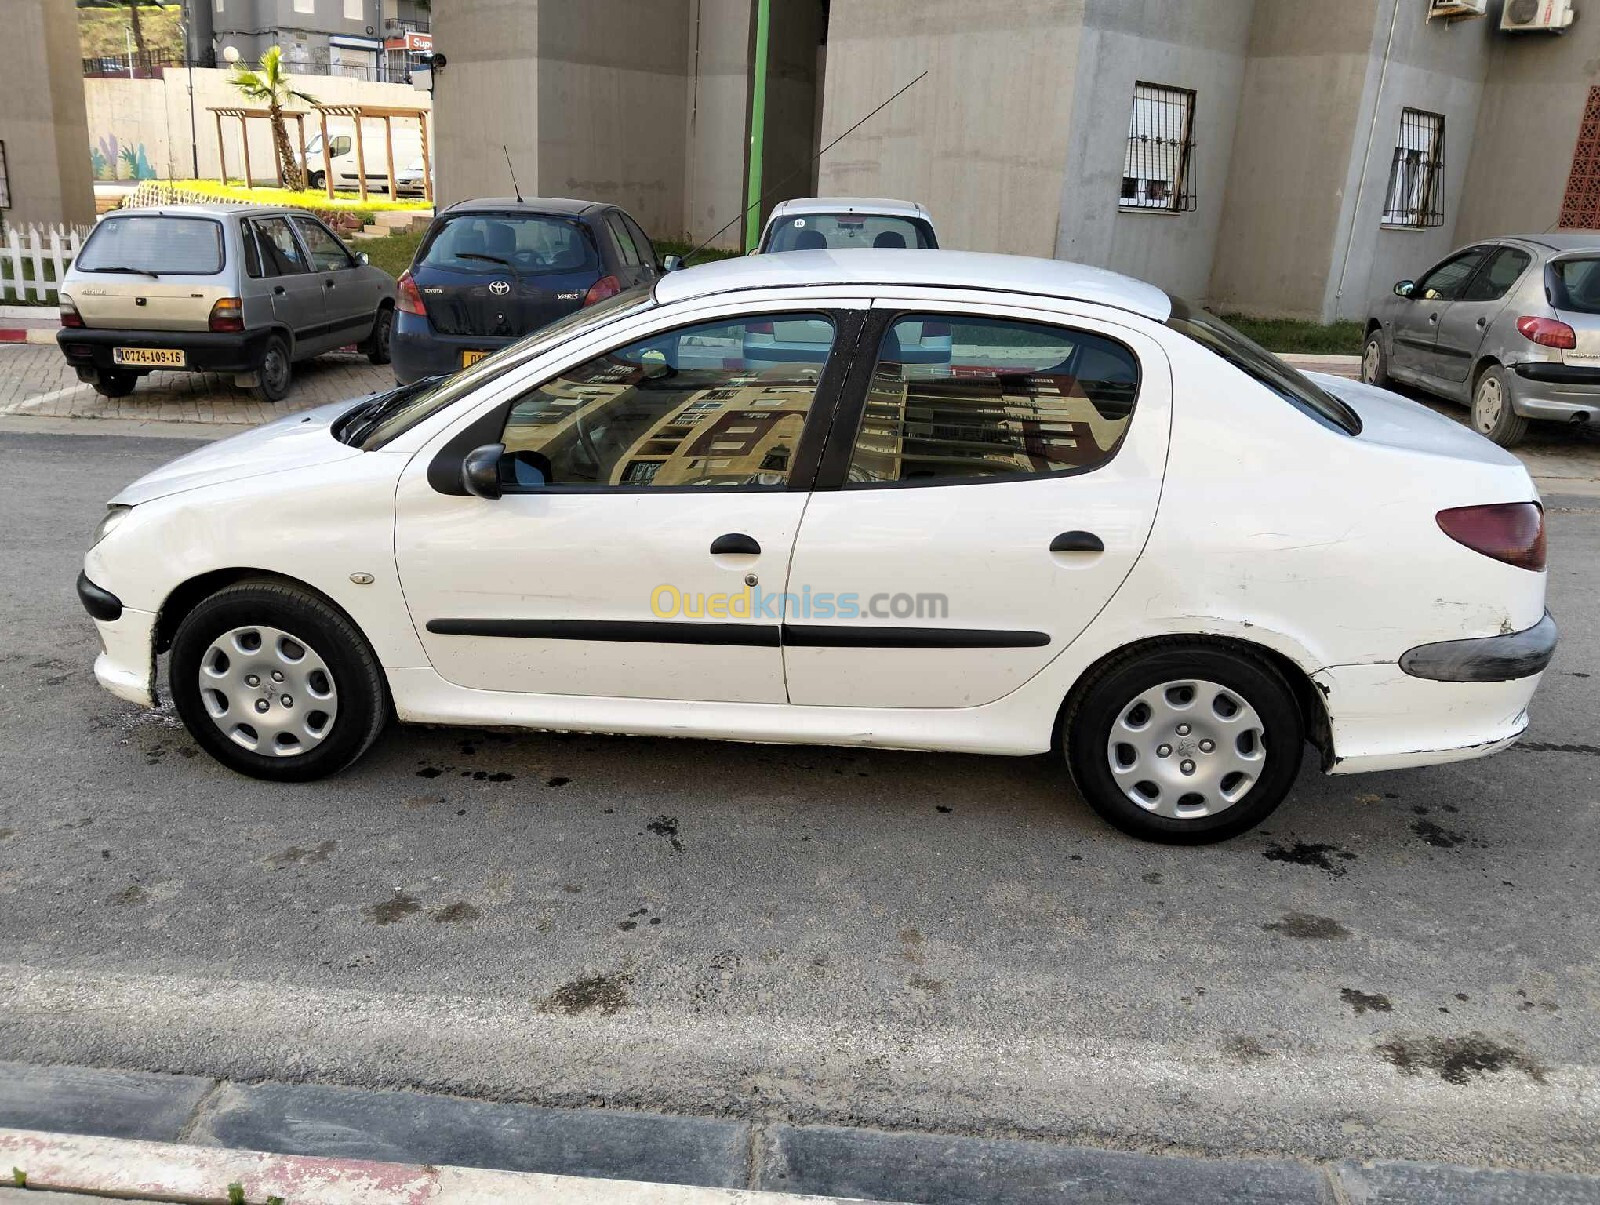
(500, 288)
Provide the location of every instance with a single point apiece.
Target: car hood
(1398, 422)
(293, 442)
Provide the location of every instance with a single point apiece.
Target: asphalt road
(1397, 965)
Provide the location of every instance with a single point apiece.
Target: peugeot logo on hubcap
(500, 288)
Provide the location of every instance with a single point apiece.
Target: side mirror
(364, 258)
(672, 263)
(480, 471)
(1405, 288)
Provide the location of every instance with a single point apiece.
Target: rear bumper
(1557, 392)
(205, 351)
(417, 351)
(1487, 658)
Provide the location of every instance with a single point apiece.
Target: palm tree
(268, 83)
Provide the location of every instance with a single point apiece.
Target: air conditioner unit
(1546, 16)
(1450, 9)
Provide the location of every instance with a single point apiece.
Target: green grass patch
(1300, 337)
(671, 246)
(392, 253)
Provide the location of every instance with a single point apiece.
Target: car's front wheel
(115, 384)
(1374, 362)
(1492, 412)
(1184, 743)
(317, 180)
(275, 683)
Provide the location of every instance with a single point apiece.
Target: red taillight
(227, 316)
(1512, 532)
(606, 286)
(69, 313)
(407, 297)
(1547, 332)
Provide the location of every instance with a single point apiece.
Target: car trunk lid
(140, 303)
(499, 305)
(1396, 422)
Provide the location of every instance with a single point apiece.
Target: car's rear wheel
(276, 373)
(1374, 363)
(1184, 743)
(275, 683)
(1492, 412)
(376, 345)
(317, 180)
(115, 384)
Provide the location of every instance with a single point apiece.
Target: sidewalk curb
(201, 1176)
(28, 334)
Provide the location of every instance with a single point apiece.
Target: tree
(138, 29)
(268, 84)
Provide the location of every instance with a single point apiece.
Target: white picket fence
(33, 260)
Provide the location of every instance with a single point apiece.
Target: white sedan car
(1106, 527)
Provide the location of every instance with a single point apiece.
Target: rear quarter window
(166, 246)
(1574, 284)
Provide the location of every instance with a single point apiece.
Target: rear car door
(973, 515)
(1413, 346)
(1466, 320)
(350, 296)
(652, 495)
(297, 294)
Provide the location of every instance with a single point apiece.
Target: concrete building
(1271, 156)
(44, 167)
(319, 37)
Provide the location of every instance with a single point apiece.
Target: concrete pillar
(43, 120)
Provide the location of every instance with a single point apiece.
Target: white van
(346, 172)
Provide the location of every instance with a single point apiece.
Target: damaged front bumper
(126, 664)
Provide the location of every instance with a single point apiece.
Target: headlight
(114, 516)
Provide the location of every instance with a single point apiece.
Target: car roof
(920, 269)
(556, 205)
(1563, 240)
(221, 209)
(883, 205)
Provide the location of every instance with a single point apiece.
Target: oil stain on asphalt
(603, 994)
(396, 908)
(1303, 853)
(1458, 1060)
(1305, 927)
(1365, 1002)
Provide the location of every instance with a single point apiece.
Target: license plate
(469, 358)
(154, 357)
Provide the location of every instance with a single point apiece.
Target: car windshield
(1257, 362)
(390, 415)
(837, 231)
(1575, 284)
(493, 242)
(155, 245)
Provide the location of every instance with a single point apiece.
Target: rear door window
(165, 246)
(280, 252)
(641, 240)
(619, 231)
(492, 243)
(1494, 280)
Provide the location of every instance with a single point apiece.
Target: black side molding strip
(621, 631)
(1486, 658)
(1558, 374)
(761, 635)
(101, 604)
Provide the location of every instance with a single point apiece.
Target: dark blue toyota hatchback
(491, 271)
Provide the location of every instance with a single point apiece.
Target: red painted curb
(13, 334)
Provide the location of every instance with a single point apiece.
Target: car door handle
(1482, 322)
(735, 543)
(327, 284)
(1077, 541)
(1433, 318)
(278, 290)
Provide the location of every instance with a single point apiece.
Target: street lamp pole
(188, 60)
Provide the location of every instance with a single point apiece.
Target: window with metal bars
(1416, 177)
(1155, 171)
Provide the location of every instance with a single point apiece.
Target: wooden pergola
(388, 116)
(244, 115)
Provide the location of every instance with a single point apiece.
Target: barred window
(1155, 171)
(1416, 178)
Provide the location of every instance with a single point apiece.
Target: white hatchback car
(1106, 525)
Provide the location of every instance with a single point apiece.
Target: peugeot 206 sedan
(1106, 527)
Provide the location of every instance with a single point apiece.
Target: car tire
(376, 345)
(1214, 750)
(115, 384)
(316, 180)
(1492, 412)
(249, 631)
(276, 372)
(1375, 361)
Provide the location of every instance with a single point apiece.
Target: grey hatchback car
(1509, 326)
(241, 290)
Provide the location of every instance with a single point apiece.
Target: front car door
(653, 493)
(1413, 350)
(975, 512)
(1466, 320)
(350, 296)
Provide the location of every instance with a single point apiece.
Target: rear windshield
(1260, 364)
(160, 245)
(1575, 284)
(496, 242)
(835, 231)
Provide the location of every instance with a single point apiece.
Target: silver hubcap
(1369, 362)
(268, 692)
(1491, 401)
(1187, 749)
